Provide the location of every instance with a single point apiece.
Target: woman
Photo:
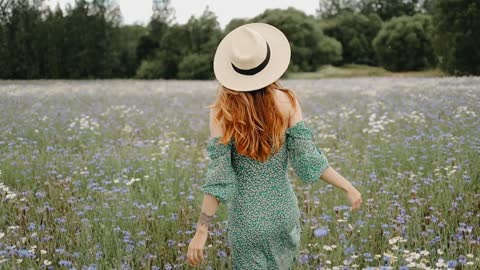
(256, 126)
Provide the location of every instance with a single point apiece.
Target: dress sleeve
(220, 177)
(307, 160)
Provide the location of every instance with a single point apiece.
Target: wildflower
(319, 232)
(222, 254)
(65, 263)
(327, 247)
(452, 263)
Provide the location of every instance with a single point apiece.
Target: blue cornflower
(320, 232)
(452, 263)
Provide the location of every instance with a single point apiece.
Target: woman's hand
(355, 198)
(195, 248)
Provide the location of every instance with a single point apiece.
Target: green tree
(127, 39)
(426, 6)
(404, 43)
(160, 22)
(355, 32)
(163, 11)
(151, 69)
(196, 66)
(386, 9)
(55, 51)
(204, 34)
(194, 41)
(90, 40)
(310, 47)
(457, 35)
(22, 40)
(146, 47)
(331, 8)
(234, 23)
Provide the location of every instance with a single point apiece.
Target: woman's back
(263, 211)
(289, 113)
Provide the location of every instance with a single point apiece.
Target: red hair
(253, 119)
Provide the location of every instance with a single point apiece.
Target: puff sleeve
(220, 176)
(306, 159)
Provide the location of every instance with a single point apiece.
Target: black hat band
(256, 69)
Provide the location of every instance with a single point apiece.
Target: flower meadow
(106, 174)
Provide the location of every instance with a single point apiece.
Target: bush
(150, 69)
(196, 66)
(456, 27)
(328, 51)
(355, 32)
(404, 43)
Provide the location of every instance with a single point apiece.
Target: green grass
(352, 70)
(107, 174)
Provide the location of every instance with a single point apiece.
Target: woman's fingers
(356, 204)
(195, 256)
(199, 255)
(189, 257)
(359, 201)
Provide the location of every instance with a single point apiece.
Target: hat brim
(276, 67)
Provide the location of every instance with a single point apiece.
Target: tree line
(88, 40)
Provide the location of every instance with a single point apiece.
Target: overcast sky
(141, 10)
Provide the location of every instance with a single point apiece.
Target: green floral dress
(263, 215)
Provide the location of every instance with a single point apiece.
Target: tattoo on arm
(205, 219)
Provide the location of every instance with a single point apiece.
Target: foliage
(87, 40)
(310, 47)
(151, 69)
(22, 40)
(404, 43)
(146, 47)
(355, 32)
(196, 66)
(426, 6)
(163, 11)
(386, 9)
(39, 43)
(457, 35)
(331, 8)
(125, 42)
(196, 40)
(234, 23)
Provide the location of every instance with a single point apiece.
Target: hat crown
(248, 48)
(251, 57)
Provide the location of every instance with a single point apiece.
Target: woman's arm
(196, 246)
(332, 177)
(210, 203)
(209, 207)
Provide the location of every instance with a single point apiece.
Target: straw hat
(251, 57)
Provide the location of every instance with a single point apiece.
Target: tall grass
(106, 174)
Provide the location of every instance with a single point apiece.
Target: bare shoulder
(216, 129)
(283, 103)
(281, 96)
(293, 114)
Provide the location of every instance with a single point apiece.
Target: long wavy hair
(253, 119)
